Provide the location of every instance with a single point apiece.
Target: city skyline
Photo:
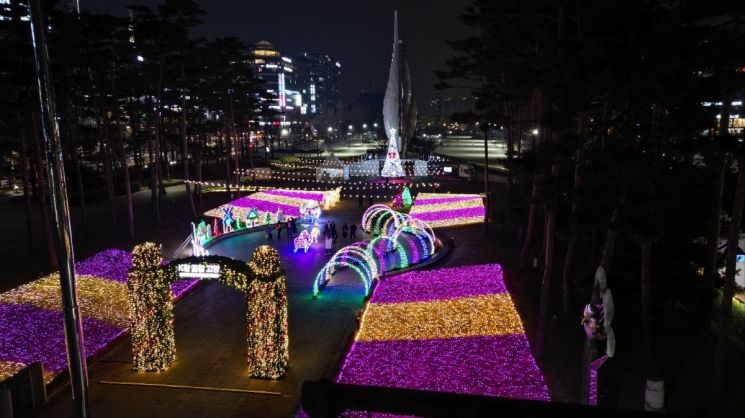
(332, 27)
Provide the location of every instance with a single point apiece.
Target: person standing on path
(294, 226)
(269, 236)
(289, 229)
(279, 230)
(329, 244)
(344, 230)
(333, 232)
(353, 231)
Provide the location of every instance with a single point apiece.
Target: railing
(324, 399)
(23, 393)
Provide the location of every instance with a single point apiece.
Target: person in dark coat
(344, 230)
(294, 226)
(353, 231)
(333, 232)
(360, 200)
(269, 235)
(289, 228)
(279, 229)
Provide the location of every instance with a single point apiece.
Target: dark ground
(210, 324)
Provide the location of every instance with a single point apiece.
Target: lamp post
(61, 229)
(485, 128)
(350, 128)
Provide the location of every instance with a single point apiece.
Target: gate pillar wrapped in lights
(151, 306)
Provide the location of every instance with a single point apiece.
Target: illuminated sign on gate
(202, 271)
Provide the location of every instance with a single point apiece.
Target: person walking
(329, 244)
(294, 226)
(353, 231)
(360, 200)
(269, 235)
(289, 229)
(334, 236)
(344, 230)
(279, 230)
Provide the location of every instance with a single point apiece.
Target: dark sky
(359, 33)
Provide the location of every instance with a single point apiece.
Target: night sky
(359, 33)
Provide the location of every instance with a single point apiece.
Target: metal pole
(61, 230)
(486, 177)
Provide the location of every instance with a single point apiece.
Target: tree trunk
(108, 171)
(236, 155)
(728, 291)
(156, 147)
(610, 238)
(531, 223)
(78, 171)
(566, 274)
(43, 190)
(26, 184)
(645, 299)
(154, 151)
(184, 147)
(198, 186)
(125, 172)
(546, 283)
(715, 221)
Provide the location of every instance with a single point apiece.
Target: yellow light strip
(98, 298)
(463, 317)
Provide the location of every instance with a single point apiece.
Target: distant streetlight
(140, 58)
(375, 125)
(364, 126)
(285, 132)
(330, 129)
(535, 131)
(350, 127)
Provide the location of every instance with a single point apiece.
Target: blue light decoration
(304, 240)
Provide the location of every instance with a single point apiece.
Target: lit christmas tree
(406, 197)
(392, 166)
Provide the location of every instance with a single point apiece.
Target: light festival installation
(288, 202)
(31, 326)
(361, 256)
(447, 330)
(392, 166)
(375, 215)
(443, 210)
(151, 306)
(200, 235)
(303, 241)
(352, 257)
(227, 218)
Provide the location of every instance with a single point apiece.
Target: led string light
(31, 315)
(444, 210)
(151, 308)
(448, 330)
(268, 339)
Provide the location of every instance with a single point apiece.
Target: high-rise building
(318, 78)
(278, 73)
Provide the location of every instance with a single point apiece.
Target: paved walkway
(210, 343)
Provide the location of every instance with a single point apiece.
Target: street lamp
(364, 126)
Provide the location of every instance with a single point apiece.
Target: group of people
(290, 225)
(330, 235)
